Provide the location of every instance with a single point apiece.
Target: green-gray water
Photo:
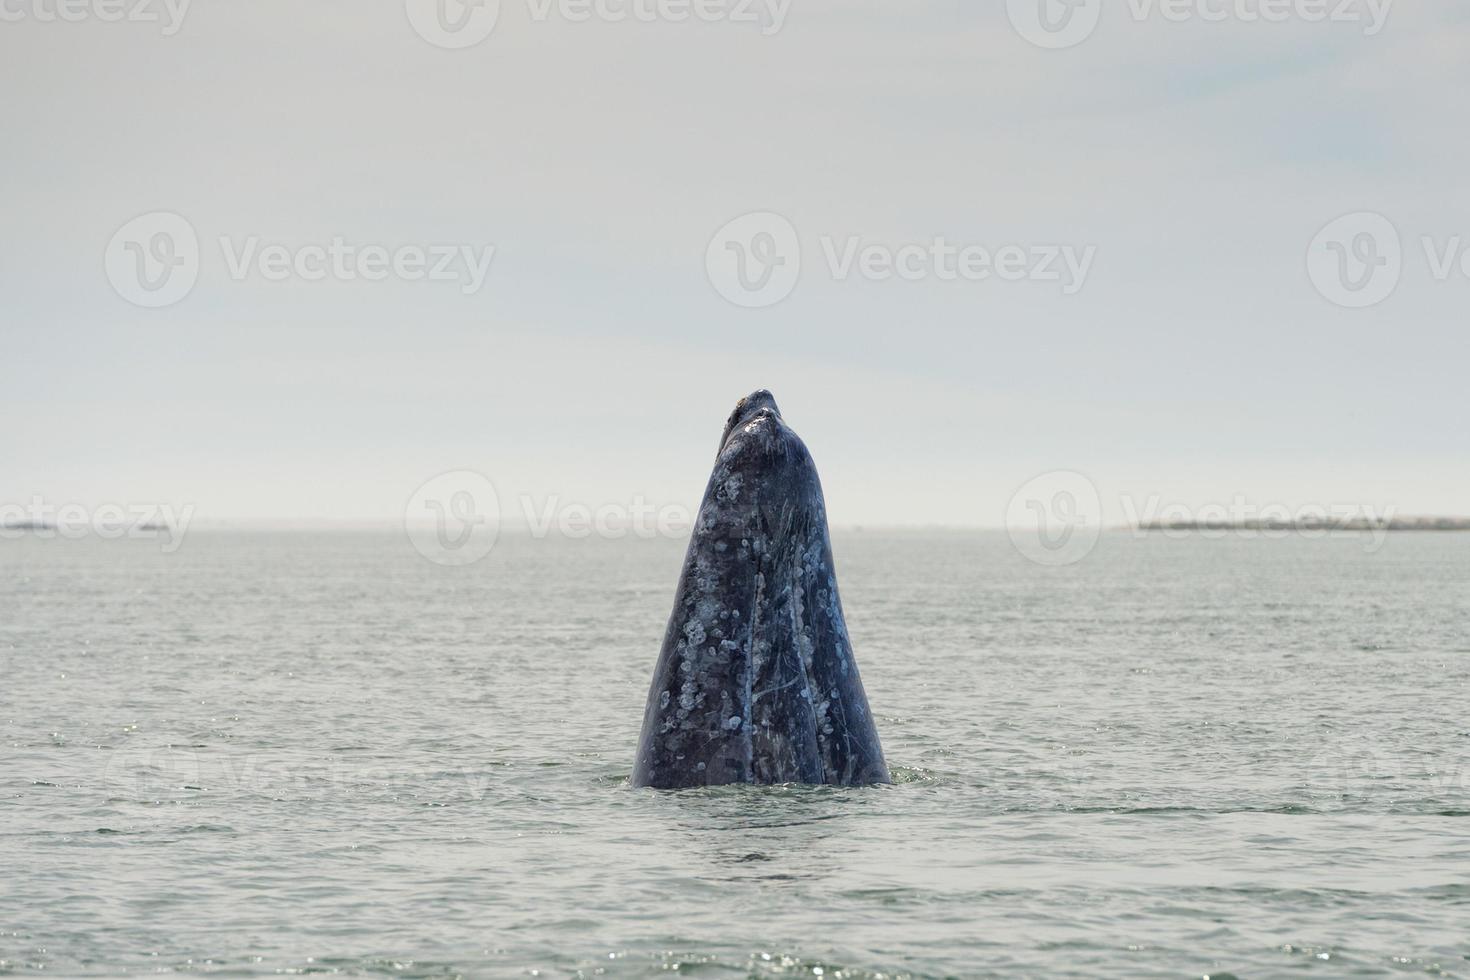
(321, 753)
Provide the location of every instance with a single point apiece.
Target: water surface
(318, 752)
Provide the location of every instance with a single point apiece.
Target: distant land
(41, 526)
(1317, 524)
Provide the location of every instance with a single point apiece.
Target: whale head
(757, 404)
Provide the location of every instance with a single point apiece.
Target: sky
(1196, 162)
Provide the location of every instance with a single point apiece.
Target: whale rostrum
(756, 681)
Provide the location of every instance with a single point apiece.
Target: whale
(756, 681)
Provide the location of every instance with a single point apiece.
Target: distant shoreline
(54, 528)
(1317, 524)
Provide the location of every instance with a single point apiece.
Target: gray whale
(756, 682)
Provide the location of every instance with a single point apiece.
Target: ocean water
(321, 753)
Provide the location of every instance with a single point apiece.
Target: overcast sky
(1195, 161)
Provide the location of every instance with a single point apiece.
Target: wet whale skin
(756, 681)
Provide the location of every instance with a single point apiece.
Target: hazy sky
(1197, 361)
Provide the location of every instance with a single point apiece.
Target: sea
(317, 752)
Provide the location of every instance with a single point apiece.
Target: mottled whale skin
(756, 682)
